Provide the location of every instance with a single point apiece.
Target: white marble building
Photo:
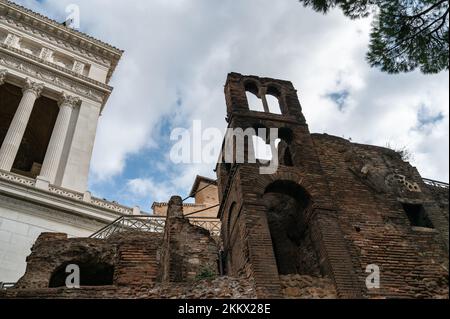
(53, 88)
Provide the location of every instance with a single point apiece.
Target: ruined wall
(188, 251)
(133, 256)
(370, 185)
(218, 288)
(248, 227)
(307, 287)
(364, 206)
(331, 209)
(130, 264)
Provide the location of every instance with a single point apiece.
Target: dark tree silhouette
(406, 34)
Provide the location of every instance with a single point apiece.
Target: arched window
(91, 274)
(254, 102)
(273, 104)
(286, 203)
(273, 100)
(284, 147)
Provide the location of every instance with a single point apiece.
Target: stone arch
(286, 205)
(273, 98)
(285, 154)
(91, 274)
(252, 92)
(313, 186)
(263, 181)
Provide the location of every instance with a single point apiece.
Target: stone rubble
(307, 287)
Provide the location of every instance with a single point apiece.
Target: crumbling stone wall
(339, 206)
(184, 258)
(246, 220)
(291, 238)
(307, 287)
(218, 288)
(188, 251)
(133, 256)
(368, 207)
(369, 185)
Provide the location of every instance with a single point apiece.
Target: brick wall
(355, 217)
(188, 251)
(413, 261)
(184, 254)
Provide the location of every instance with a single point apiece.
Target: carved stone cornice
(55, 66)
(29, 30)
(69, 100)
(52, 78)
(34, 87)
(3, 76)
(60, 35)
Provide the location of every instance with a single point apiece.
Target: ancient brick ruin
(309, 230)
(131, 264)
(332, 208)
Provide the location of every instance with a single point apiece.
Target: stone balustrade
(62, 192)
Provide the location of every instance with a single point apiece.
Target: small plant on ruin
(205, 274)
(403, 152)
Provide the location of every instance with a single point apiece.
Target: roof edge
(53, 23)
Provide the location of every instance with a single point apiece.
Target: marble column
(55, 147)
(13, 139)
(2, 76)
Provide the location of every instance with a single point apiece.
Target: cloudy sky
(177, 56)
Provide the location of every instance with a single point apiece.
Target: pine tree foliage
(406, 34)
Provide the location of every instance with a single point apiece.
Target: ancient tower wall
(331, 209)
(254, 232)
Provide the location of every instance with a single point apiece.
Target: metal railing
(152, 224)
(6, 285)
(435, 183)
(213, 225)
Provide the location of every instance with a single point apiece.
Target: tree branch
(425, 11)
(420, 31)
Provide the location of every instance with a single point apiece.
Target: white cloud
(145, 187)
(184, 50)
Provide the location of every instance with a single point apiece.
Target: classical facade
(53, 88)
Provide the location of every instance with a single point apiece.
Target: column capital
(34, 87)
(3, 74)
(68, 100)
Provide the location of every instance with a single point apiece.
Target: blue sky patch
(339, 98)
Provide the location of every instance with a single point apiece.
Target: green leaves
(406, 34)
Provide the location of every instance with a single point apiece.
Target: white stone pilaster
(14, 136)
(55, 147)
(76, 170)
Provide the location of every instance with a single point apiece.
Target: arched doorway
(286, 203)
(91, 274)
